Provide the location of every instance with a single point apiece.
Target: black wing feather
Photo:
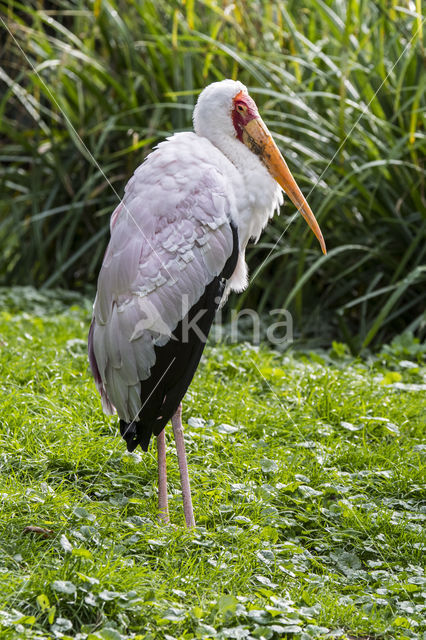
(176, 362)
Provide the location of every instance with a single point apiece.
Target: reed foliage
(88, 88)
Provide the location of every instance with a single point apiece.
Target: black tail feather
(134, 433)
(176, 363)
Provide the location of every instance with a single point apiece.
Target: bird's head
(226, 109)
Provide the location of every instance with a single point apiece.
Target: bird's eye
(240, 108)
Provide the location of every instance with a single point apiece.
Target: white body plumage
(170, 236)
(177, 247)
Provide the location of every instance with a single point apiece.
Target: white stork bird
(177, 246)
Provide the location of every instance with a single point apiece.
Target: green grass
(307, 474)
(87, 89)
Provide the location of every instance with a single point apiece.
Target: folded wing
(172, 246)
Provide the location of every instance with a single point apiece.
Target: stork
(177, 248)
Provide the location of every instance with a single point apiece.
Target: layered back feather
(170, 237)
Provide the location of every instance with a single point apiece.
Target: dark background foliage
(88, 88)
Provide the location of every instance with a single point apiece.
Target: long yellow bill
(258, 139)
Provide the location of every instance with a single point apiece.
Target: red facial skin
(243, 111)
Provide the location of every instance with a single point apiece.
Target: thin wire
(113, 451)
(294, 216)
(162, 376)
(96, 163)
(101, 171)
(143, 234)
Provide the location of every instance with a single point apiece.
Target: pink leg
(183, 467)
(163, 506)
